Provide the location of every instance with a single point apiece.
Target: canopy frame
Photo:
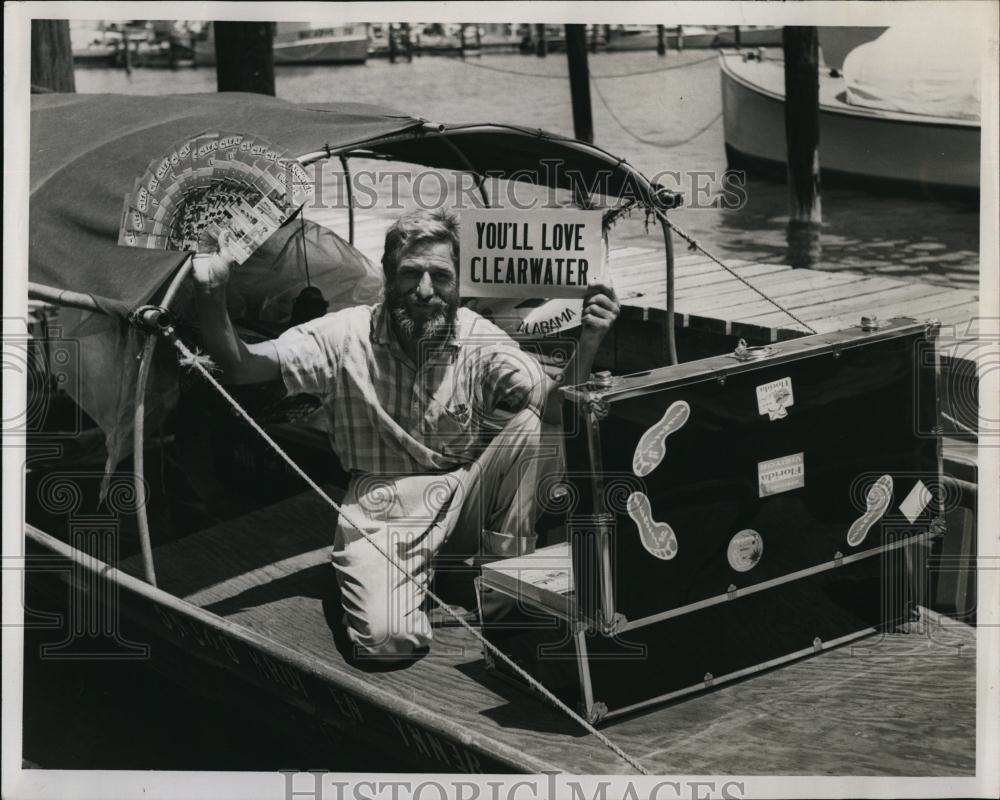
(344, 153)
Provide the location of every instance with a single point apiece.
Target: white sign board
(535, 253)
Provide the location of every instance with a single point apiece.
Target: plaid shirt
(390, 415)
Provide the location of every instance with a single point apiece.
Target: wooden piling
(244, 56)
(392, 43)
(661, 41)
(801, 46)
(579, 82)
(680, 38)
(541, 46)
(51, 56)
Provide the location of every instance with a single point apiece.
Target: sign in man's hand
(600, 309)
(211, 270)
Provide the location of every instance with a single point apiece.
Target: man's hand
(600, 310)
(210, 271)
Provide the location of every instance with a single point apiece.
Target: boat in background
(874, 129)
(303, 43)
(678, 37)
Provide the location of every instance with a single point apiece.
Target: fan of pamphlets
(209, 183)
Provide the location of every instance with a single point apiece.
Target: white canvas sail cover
(932, 71)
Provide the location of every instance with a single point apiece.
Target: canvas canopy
(86, 151)
(918, 70)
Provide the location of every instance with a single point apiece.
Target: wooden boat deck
(854, 710)
(708, 298)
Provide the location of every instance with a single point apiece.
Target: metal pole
(669, 343)
(481, 183)
(63, 297)
(350, 198)
(139, 427)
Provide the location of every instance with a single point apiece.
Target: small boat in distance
(872, 130)
(304, 43)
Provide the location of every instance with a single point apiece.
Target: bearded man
(445, 425)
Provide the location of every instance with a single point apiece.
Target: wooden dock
(274, 620)
(709, 299)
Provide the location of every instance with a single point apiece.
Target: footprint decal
(653, 444)
(657, 537)
(878, 499)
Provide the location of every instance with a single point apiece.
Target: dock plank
(269, 572)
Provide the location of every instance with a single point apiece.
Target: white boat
(871, 126)
(305, 43)
(692, 37)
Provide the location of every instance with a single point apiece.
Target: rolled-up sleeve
(308, 356)
(514, 380)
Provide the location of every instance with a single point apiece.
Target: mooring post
(461, 40)
(579, 82)
(51, 56)
(392, 44)
(404, 28)
(680, 38)
(541, 46)
(244, 56)
(736, 35)
(801, 46)
(661, 40)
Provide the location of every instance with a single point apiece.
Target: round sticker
(745, 550)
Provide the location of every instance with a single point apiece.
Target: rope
(534, 684)
(676, 143)
(563, 77)
(694, 245)
(712, 57)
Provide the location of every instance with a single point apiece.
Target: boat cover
(86, 151)
(933, 71)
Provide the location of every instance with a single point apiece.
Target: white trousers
(484, 510)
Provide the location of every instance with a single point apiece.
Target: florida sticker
(781, 475)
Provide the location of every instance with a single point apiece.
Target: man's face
(423, 296)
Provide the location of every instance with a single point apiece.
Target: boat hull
(881, 150)
(142, 621)
(306, 52)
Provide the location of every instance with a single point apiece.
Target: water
(925, 240)
(81, 715)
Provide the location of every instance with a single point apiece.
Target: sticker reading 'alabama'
(781, 475)
(657, 537)
(652, 446)
(774, 398)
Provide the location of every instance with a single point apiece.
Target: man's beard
(438, 324)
